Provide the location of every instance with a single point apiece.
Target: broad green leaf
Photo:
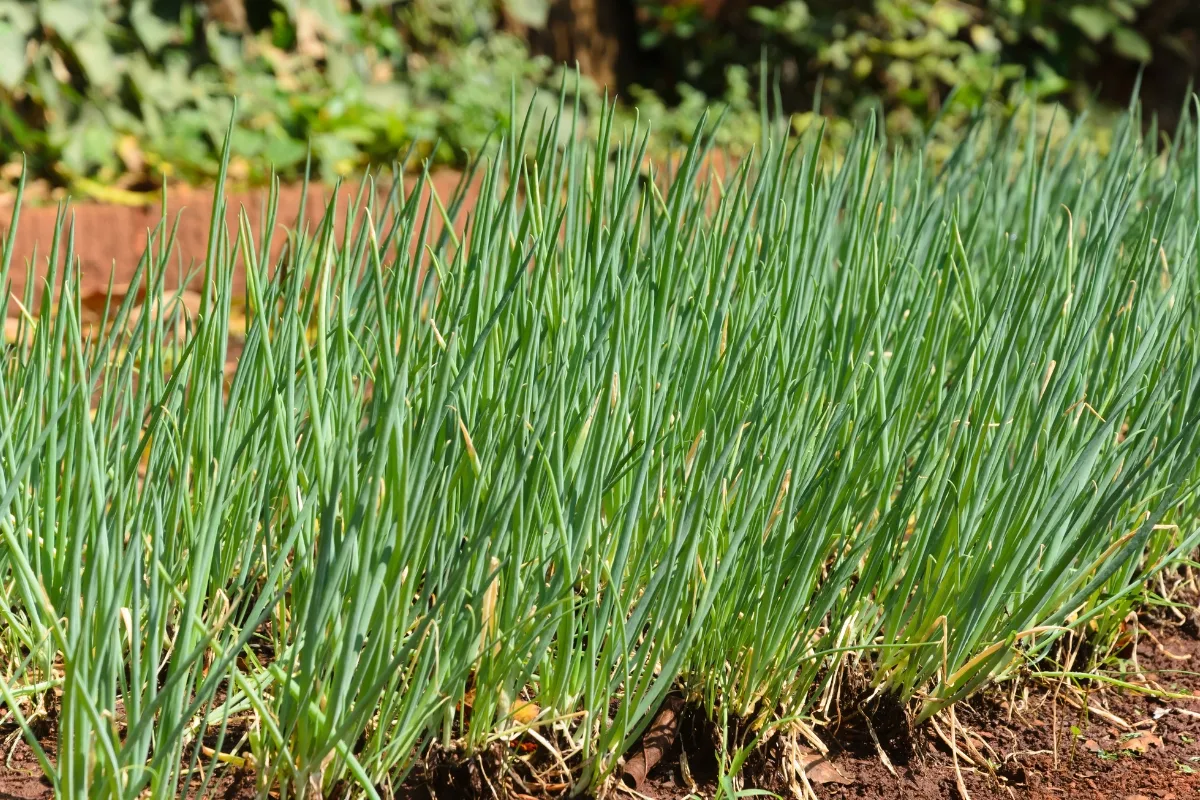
(282, 152)
(1130, 44)
(13, 64)
(91, 143)
(152, 31)
(1096, 23)
(948, 18)
(985, 39)
(225, 49)
(20, 15)
(68, 18)
(102, 66)
(1123, 9)
(99, 143)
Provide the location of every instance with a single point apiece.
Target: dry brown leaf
(1142, 742)
(820, 770)
(525, 712)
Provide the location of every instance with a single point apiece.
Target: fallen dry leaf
(525, 712)
(1142, 742)
(1092, 746)
(820, 770)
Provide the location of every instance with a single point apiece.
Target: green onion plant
(517, 471)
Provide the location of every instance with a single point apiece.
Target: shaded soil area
(20, 775)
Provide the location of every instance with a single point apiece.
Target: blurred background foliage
(108, 96)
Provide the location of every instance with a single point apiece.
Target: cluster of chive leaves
(752, 434)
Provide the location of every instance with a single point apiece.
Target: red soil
(110, 239)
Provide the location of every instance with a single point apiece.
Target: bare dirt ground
(1038, 741)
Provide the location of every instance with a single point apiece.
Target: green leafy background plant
(907, 54)
(104, 90)
(120, 93)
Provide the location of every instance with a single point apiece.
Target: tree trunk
(600, 35)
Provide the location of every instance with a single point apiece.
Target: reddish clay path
(110, 239)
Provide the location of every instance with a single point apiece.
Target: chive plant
(522, 472)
